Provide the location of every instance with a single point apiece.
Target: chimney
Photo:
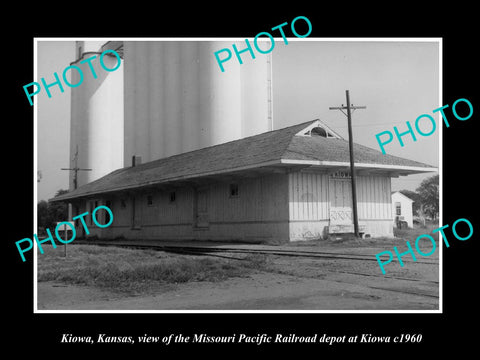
(136, 160)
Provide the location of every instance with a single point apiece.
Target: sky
(396, 80)
(53, 118)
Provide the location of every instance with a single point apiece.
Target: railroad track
(214, 251)
(221, 253)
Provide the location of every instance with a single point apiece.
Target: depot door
(136, 213)
(201, 208)
(341, 211)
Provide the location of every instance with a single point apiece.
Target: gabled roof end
(317, 123)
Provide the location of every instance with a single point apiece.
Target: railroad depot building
(284, 185)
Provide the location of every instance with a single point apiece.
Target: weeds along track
(227, 252)
(298, 253)
(230, 252)
(215, 251)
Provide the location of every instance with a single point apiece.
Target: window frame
(233, 190)
(398, 208)
(149, 200)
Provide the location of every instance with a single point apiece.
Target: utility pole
(76, 169)
(349, 109)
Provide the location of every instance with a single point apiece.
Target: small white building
(402, 209)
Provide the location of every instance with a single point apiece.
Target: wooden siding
(259, 199)
(308, 196)
(309, 199)
(277, 206)
(162, 211)
(373, 198)
(259, 211)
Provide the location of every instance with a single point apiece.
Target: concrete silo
(166, 98)
(177, 99)
(96, 133)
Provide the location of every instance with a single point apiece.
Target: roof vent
(318, 131)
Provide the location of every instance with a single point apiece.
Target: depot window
(233, 190)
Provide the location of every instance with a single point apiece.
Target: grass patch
(349, 240)
(137, 271)
(413, 233)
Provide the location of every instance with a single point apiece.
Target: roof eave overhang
(400, 169)
(169, 180)
(268, 166)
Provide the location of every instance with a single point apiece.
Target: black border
(42, 332)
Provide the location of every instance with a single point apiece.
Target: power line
(370, 124)
(76, 169)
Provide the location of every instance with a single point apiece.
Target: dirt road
(288, 284)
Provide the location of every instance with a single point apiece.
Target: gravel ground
(286, 283)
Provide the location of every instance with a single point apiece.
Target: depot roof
(311, 144)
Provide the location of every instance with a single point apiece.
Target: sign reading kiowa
(341, 175)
